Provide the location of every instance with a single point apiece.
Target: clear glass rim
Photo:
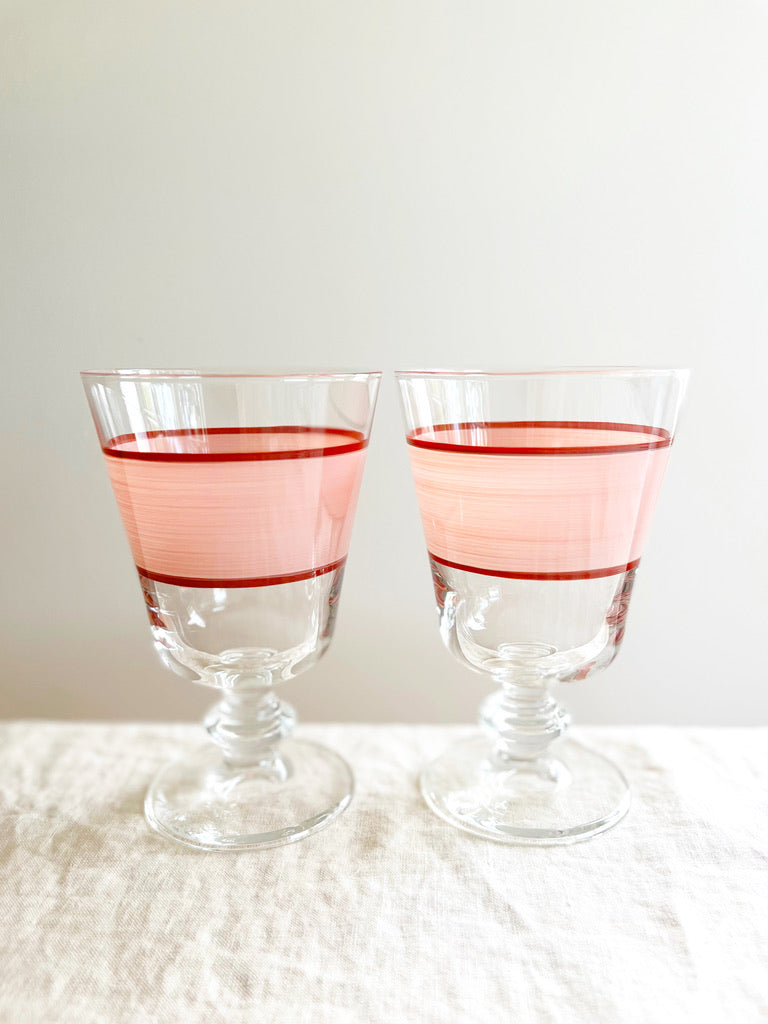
(563, 371)
(231, 373)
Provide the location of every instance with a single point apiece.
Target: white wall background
(383, 184)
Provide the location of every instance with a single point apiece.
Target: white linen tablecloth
(389, 914)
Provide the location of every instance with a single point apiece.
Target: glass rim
(563, 371)
(227, 373)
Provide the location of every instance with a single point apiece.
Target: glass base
(565, 797)
(204, 802)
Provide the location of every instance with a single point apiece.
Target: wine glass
(237, 492)
(536, 491)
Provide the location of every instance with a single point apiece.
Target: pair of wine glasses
(237, 492)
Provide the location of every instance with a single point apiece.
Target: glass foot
(566, 797)
(204, 802)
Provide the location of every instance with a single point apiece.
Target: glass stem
(523, 719)
(248, 725)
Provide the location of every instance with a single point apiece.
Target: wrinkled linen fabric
(389, 914)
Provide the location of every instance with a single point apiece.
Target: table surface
(389, 914)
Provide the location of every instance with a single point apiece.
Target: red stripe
(257, 581)
(663, 438)
(358, 441)
(586, 574)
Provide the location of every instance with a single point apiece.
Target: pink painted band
(234, 504)
(538, 499)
